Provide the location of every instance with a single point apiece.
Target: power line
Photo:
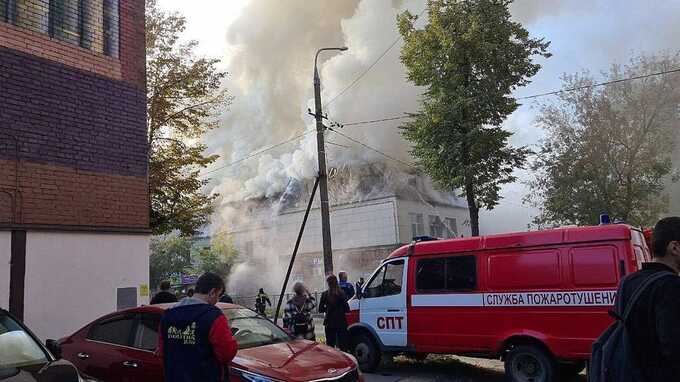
(375, 121)
(256, 153)
(374, 149)
(664, 72)
(362, 74)
(555, 92)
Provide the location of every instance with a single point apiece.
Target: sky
(267, 47)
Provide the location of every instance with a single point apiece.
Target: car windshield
(17, 348)
(252, 330)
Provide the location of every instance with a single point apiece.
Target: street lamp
(323, 179)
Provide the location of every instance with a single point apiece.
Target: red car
(120, 347)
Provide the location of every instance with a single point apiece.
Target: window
(117, 330)
(457, 273)
(461, 273)
(387, 281)
(436, 226)
(17, 348)
(8, 11)
(417, 226)
(66, 20)
(91, 24)
(451, 227)
(431, 274)
(111, 28)
(147, 332)
(251, 330)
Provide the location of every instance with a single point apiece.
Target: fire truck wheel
(366, 353)
(527, 363)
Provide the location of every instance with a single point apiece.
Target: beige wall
(72, 278)
(5, 253)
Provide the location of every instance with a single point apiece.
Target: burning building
(375, 208)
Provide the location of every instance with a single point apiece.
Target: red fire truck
(536, 300)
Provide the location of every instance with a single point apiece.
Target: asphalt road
(437, 368)
(444, 369)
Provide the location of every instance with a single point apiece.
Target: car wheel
(526, 363)
(571, 369)
(366, 353)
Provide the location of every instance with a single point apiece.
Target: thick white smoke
(272, 81)
(272, 46)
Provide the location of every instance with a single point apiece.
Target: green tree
(470, 57)
(184, 98)
(170, 256)
(608, 149)
(219, 258)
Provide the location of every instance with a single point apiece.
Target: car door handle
(394, 310)
(130, 364)
(82, 355)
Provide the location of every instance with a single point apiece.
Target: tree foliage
(608, 149)
(184, 98)
(170, 256)
(470, 57)
(219, 258)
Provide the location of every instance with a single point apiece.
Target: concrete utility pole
(323, 178)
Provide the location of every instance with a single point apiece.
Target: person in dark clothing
(190, 292)
(164, 296)
(360, 286)
(346, 287)
(195, 340)
(654, 323)
(260, 302)
(297, 315)
(334, 304)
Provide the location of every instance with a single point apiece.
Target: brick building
(73, 160)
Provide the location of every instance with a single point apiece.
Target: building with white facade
(374, 210)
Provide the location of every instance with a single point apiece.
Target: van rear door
(383, 304)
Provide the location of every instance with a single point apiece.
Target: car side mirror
(54, 347)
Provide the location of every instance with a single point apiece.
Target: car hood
(59, 371)
(297, 360)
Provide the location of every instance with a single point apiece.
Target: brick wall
(133, 42)
(78, 118)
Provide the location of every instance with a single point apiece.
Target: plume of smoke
(272, 45)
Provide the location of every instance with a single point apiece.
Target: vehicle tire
(366, 352)
(527, 363)
(571, 369)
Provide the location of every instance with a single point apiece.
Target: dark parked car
(24, 359)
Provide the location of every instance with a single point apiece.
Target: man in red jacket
(195, 340)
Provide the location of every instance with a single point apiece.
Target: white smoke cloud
(272, 81)
(272, 45)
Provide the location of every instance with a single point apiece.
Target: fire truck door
(383, 305)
